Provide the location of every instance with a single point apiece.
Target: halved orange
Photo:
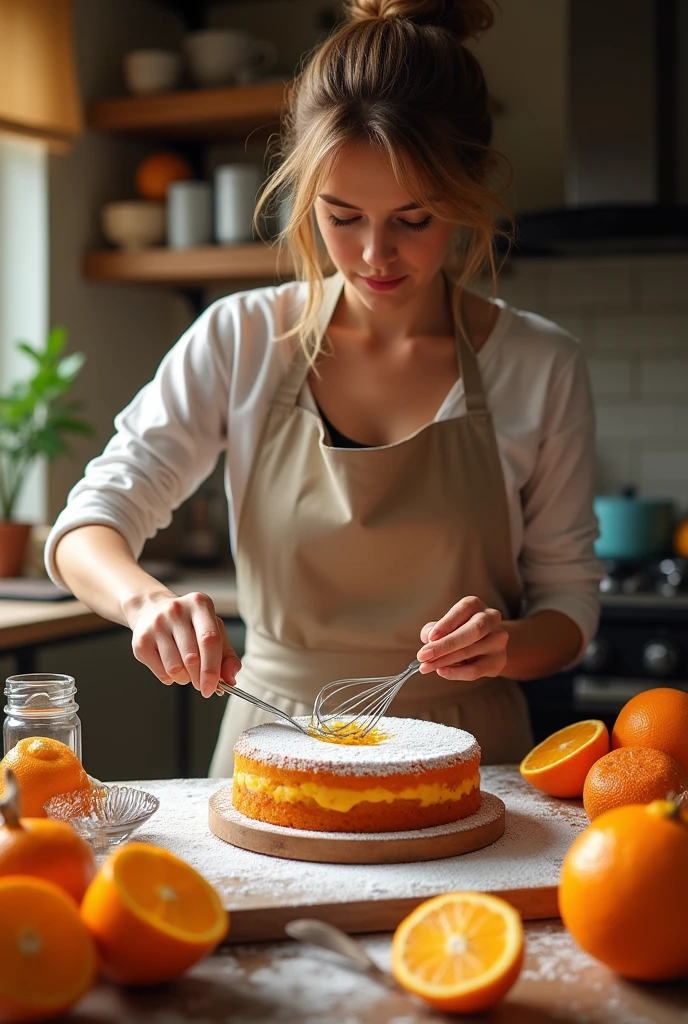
(152, 915)
(559, 764)
(47, 958)
(460, 952)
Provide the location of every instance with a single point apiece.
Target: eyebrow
(349, 206)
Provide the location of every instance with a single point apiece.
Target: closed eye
(339, 223)
(421, 225)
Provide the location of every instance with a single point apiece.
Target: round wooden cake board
(474, 832)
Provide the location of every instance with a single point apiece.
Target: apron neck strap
(465, 355)
(299, 367)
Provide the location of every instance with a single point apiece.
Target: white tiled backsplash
(631, 318)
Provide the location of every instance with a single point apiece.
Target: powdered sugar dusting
(411, 746)
(289, 982)
(489, 810)
(586, 990)
(539, 830)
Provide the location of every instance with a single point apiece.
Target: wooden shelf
(205, 114)
(192, 268)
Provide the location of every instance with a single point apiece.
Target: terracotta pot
(14, 538)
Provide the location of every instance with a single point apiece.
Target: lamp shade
(39, 95)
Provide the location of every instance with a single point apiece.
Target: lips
(383, 283)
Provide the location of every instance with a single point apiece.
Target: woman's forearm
(99, 568)
(540, 644)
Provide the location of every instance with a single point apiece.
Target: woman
(409, 465)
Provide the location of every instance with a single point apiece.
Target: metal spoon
(319, 933)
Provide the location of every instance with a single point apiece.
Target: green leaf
(47, 442)
(35, 416)
(28, 350)
(70, 366)
(57, 339)
(71, 425)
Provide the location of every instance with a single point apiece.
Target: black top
(339, 440)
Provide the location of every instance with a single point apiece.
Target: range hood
(626, 174)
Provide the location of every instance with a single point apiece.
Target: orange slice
(559, 764)
(47, 958)
(460, 952)
(152, 915)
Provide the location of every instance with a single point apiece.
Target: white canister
(189, 214)
(236, 192)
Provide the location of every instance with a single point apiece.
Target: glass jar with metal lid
(41, 704)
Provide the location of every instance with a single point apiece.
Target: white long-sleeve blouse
(212, 392)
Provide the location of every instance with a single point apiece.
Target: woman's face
(386, 246)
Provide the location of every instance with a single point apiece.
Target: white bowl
(134, 224)
(151, 71)
(217, 56)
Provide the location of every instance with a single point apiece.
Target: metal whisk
(235, 691)
(353, 707)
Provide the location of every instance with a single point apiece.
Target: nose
(379, 249)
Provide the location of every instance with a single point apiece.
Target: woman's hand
(181, 639)
(469, 642)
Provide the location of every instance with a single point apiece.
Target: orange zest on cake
(422, 774)
(347, 732)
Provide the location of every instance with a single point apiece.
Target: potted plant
(35, 417)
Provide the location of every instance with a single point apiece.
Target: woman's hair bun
(464, 18)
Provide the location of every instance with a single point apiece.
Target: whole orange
(44, 767)
(655, 718)
(42, 848)
(623, 892)
(631, 775)
(151, 914)
(155, 174)
(48, 958)
(681, 539)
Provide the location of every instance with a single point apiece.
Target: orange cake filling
(418, 775)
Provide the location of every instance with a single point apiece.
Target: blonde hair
(398, 76)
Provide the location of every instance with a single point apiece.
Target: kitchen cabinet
(129, 719)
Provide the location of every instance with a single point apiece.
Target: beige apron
(343, 555)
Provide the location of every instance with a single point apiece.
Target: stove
(641, 643)
(665, 577)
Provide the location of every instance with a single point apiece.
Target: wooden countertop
(25, 623)
(286, 983)
(283, 982)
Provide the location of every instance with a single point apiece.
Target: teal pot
(632, 527)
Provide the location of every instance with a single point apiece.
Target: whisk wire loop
(354, 716)
(358, 713)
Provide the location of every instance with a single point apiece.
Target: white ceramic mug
(189, 214)
(236, 191)
(151, 71)
(218, 56)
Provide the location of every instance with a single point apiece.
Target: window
(23, 277)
